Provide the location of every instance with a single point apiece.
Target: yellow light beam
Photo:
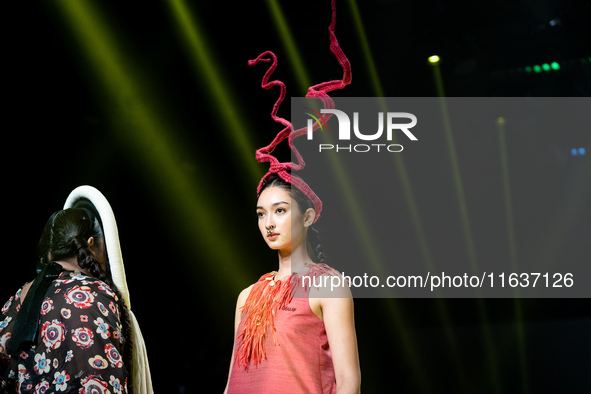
(295, 59)
(337, 166)
(465, 221)
(230, 113)
(507, 193)
(348, 192)
(512, 251)
(138, 120)
(367, 55)
(406, 187)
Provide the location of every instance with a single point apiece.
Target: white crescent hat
(80, 198)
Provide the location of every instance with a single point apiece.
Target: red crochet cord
(317, 91)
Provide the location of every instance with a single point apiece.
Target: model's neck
(292, 261)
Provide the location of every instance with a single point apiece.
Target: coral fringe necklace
(265, 298)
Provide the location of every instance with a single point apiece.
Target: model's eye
(260, 214)
(280, 210)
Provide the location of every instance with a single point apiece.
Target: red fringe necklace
(265, 298)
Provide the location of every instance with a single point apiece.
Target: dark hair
(315, 250)
(66, 235)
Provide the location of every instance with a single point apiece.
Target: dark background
(187, 259)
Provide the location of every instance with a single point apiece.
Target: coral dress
(295, 354)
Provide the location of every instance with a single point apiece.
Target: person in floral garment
(68, 331)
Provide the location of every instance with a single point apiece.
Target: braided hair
(315, 250)
(65, 236)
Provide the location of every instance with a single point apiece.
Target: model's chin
(276, 244)
(273, 244)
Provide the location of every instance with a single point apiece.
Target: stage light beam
(512, 250)
(336, 166)
(229, 112)
(409, 199)
(367, 55)
(465, 222)
(138, 117)
(289, 43)
(338, 171)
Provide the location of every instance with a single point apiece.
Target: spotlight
(434, 59)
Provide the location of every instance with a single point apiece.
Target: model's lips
(273, 236)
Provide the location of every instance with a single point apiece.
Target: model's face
(276, 213)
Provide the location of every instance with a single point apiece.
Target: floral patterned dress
(78, 342)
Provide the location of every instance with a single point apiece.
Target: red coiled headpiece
(283, 170)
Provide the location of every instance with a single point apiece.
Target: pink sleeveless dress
(297, 358)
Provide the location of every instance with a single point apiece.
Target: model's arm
(339, 321)
(237, 316)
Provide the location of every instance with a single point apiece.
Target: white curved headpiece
(107, 218)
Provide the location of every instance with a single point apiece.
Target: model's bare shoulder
(243, 296)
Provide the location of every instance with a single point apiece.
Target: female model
(289, 338)
(68, 330)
